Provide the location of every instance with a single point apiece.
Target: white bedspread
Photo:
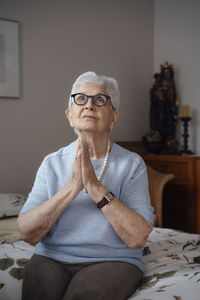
(170, 268)
(171, 259)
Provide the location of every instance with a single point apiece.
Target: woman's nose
(89, 104)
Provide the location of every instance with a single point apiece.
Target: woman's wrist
(75, 186)
(97, 191)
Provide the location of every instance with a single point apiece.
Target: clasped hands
(83, 175)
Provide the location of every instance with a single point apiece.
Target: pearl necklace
(104, 164)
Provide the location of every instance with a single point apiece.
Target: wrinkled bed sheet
(171, 259)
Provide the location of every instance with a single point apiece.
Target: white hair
(109, 83)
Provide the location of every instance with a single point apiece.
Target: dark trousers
(48, 279)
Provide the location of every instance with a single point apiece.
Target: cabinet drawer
(182, 170)
(181, 198)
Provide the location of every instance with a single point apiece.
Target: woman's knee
(104, 281)
(44, 279)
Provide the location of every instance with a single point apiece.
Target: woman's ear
(115, 119)
(68, 114)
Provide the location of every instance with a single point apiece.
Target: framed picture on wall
(9, 59)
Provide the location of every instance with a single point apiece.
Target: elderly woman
(89, 210)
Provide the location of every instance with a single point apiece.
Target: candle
(185, 111)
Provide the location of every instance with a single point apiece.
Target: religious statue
(163, 112)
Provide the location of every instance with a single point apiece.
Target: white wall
(177, 40)
(59, 40)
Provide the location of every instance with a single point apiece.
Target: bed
(171, 258)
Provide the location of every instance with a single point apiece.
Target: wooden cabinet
(181, 198)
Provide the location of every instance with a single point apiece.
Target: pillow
(8, 230)
(11, 204)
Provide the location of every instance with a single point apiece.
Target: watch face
(109, 196)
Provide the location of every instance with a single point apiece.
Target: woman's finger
(85, 152)
(76, 173)
(78, 146)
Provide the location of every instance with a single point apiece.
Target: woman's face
(89, 117)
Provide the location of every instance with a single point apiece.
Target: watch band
(107, 198)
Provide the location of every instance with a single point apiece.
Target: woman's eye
(81, 98)
(100, 99)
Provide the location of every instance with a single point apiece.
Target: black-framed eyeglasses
(98, 100)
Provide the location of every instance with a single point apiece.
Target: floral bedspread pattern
(13, 257)
(172, 267)
(171, 259)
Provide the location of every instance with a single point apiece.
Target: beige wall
(59, 40)
(177, 40)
